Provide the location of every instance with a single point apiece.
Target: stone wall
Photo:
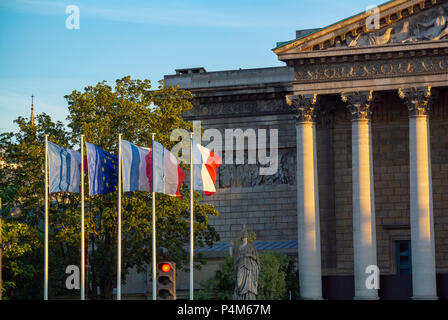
(267, 205)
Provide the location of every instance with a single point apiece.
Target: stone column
(422, 221)
(364, 231)
(310, 276)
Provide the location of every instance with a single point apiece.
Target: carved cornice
(304, 106)
(371, 67)
(418, 100)
(359, 104)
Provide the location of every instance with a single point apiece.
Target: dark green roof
(282, 43)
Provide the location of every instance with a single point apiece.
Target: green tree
(20, 271)
(222, 285)
(22, 185)
(101, 112)
(288, 266)
(271, 280)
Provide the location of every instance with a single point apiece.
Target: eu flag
(103, 170)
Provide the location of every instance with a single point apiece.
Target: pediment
(401, 22)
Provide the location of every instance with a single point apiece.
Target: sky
(145, 39)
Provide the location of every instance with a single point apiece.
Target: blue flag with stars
(103, 170)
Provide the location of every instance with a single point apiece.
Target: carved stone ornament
(248, 175)
(359, 104)
(303, 106)
(428, 25)
(418, 100)
(371, 69)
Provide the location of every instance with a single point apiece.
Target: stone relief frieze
(428, 25)
(235, 108)
(247, 175)
(372, 69)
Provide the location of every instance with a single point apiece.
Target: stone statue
(435, 29)
(431, 25)
(247, 266)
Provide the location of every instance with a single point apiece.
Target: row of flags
(137, 169)
(153, 170)
(102, 167)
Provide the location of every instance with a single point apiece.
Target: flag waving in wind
(205, 165)
(137, 169)
(168, 175)
(103, 170)
(64, 168)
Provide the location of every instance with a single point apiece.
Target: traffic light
(166, 280)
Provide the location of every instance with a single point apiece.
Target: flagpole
(46, 222)
(154, 285)
(119, 221)
(191, 218)
(83, 268)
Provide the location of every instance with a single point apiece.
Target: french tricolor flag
(137, 169)
(205, 165)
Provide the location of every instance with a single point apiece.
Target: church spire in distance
(32, 110)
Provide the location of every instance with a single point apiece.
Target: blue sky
(143, 39)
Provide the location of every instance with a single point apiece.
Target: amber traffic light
(165, 267)
(166, 280)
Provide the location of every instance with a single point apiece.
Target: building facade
(362, 179)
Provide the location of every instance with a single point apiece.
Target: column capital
(417, 100)
(359, 104)
(304, 106)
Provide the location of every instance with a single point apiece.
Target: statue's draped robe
(247, 268)
(432, 25)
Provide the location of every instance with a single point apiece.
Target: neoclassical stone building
(362, 119)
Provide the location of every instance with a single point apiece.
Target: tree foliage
(100, 112)
(271, 280)
(222, 285)
(22, 185)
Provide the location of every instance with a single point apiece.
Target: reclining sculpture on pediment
(431, 25)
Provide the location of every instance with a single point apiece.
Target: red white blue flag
(137, 169)
(205, 165)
